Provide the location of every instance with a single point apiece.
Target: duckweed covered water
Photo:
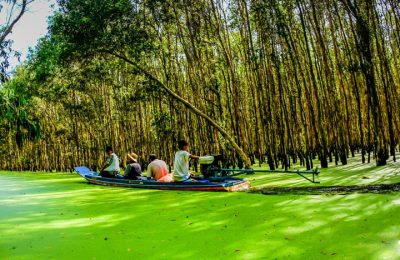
(60, 216)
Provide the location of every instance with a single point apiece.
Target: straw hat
(132, 157)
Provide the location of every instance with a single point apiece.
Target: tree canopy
(279, 81)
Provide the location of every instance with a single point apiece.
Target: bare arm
(105, 166)
(194, 156)
(107, 163)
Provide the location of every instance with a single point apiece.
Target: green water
(60, 216)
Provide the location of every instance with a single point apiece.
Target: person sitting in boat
(158, 170)
(181, 162)
(133, 169)
(111, 166)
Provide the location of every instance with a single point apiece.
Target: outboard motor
(210, 165)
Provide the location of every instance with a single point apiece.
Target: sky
(31, 27)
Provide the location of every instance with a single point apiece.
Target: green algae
(60, 216)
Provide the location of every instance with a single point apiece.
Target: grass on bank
(354, 173)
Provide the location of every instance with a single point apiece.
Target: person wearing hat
(158, 170)
(133, 169)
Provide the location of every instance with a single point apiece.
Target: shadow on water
(329, 190)
(65, 218)
(355, 173)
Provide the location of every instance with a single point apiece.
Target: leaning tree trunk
(241, 153)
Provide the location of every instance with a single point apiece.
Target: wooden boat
(225, 184)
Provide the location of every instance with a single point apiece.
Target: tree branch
(9, 27)
(195, 110)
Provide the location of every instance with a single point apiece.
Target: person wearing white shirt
(181, 162)
(111, 167)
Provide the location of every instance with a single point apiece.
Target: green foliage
(161, 10)
(88, 28)
(285, 78)
(162, 125)
(44, 59)
(17, 107)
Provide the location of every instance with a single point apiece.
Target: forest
(277, 81)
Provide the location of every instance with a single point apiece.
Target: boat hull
(228, 184)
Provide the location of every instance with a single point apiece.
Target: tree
(115, 28)
(287, 80)
(12, 11)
